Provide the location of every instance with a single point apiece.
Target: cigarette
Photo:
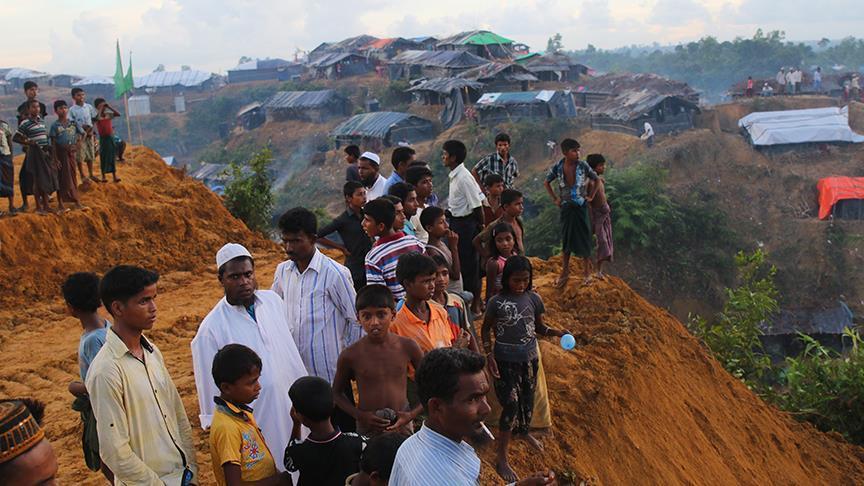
(486, 429)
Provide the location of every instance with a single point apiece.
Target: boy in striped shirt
(380, 263)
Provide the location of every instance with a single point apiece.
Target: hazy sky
(66, 36)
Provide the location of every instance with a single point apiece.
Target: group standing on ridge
(367, 372)
(55, 155)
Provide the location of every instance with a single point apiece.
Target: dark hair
(30, 84)
(81, 291)
(594, 160)
(124, 282)
(393, 199)
(234, 361)
(350, 188)
(32, 102)
(502, 137)
(312, 398)
(401, 155)
(375, 295)
(380, 454)
(400, 190)
(492, 179)
(516, 263)
(224, 265)
(98, 101)
(456, 149)
(299, 219)
(429, 215)
(59, 103)
(353, 151)
(509, 196)
(438, 374)
(381, 211)
(569, 144)
(496, 230)
(413, 265)
(75, 91)
(416, 173)
(440, 261)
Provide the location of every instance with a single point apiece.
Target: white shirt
(465, 193)
(281, 364)
(649, 130)
(419, 231)
(319, 306)
(82, 115)
(378, 189)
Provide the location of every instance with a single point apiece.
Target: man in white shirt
(318, 299)
(648, 134)
(368, 165)
(465, 205)
(254, 318)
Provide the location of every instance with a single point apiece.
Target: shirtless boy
(601, 214)
(378, 362)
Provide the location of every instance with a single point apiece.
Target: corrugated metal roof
(90, 80)
(164, 79)
(248, 108)
(375, 124)
(444, 59)
(445, 85)
(208, 170)
(333, 58)
(475, 37)
(499, 71)
(630, 105)
(299, 99)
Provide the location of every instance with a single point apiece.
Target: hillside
(638, 400)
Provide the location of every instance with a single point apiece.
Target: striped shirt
(494, 164)
(319, 305)
(382, 259)
(34, 130)
(428, 457)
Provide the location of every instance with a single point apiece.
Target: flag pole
(128, 120)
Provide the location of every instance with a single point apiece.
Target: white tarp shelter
(800, 126)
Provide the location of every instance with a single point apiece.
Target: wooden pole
(128, 119)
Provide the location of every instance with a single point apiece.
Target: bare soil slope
(637, 402)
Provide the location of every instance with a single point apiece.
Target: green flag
(120, 86)
(130, 83)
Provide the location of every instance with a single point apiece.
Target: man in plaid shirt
(499, 162)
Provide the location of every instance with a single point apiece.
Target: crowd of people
(55, 155)
(375, 371)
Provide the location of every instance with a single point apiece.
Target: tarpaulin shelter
(815, 125)
(383, 129)
(553, 67)
(340, 65)
(432, 64)
(480, 42)
(498, 107)
(453, 93)
(265, 69)
(835, 190)
(501, 76)
(316, 106)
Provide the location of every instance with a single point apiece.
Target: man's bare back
(381, 372)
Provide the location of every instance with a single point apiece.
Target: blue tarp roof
(375, 124)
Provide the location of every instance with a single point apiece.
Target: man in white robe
(254, 318)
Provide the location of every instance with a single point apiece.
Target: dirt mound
(639, 401)
(156, 217)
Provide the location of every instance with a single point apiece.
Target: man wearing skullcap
(26, 456)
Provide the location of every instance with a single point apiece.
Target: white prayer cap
(229, 252)
(371, 156)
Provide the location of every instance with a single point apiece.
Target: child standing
(63, 135)
(7, 169)
(379, 216)
(515, 317)
(420, 177)
(240, 454)
(107, 150)
(494, 185)
(349, 225)
(327, 456)
(83, 113)
(81, 293)
(601, 213)
(501, 246)
(453, 303)
(40, 170)
(512, 205)
(443, 242)
(378, 362)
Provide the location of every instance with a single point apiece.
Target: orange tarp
(833, 189)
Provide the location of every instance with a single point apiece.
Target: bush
(248, 195)
(827, 389)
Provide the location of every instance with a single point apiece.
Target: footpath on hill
(638, 401)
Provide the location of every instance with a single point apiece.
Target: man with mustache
(256, 319)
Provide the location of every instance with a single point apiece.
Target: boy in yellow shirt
(239, 453)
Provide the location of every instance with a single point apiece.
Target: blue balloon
(568, 342)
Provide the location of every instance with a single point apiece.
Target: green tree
(554, 45)
(248, 195)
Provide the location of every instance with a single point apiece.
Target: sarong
(7, 176)
(542, 418)
(68, 175)
(41, 168)
(601, 219)
(107, 154)
(86, 150)
(25, 178)
(515, 393)
(89, 437)
(575, 229)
